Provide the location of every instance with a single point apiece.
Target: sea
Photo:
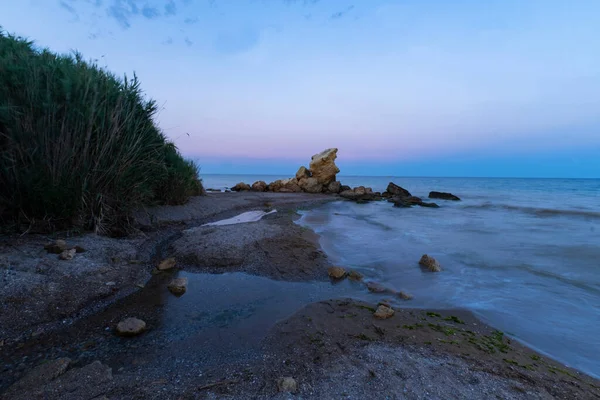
(521, 254)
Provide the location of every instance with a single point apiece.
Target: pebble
(131, 327)
(287, 384)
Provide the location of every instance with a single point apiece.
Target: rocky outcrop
(310, 185)
(443, 196)
(241, 187)
(407, 202)
(322, 166)
(395, 190)
(259, 186)
(302, 173)
(360, 194)
(334, 187)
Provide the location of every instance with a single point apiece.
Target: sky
(406, 87)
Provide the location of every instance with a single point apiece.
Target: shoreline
(273, 241)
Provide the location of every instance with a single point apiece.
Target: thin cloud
(188, 42)
(342, 13)
(170, 8)
(169, 41)
(150, 12)
(190, 21)
(70, 9)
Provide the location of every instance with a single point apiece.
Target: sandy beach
(57, 325)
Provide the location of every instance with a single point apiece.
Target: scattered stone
(430, 263)
(376, 287)
(384, 312)
(336, 272)
(322, 166)
(259, 186)
(355, 276)
(178, 286)
(396, 190)
(56, 247)
(405, 296)
(334, 187)
(241, 187)
(79, 249)
(131, 327)
(167, 264)
(67, 254)
(443, 196)
(287, 384)
(302, 173)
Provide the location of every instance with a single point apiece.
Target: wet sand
(257, 309)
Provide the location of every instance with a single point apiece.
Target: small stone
(384, 312)
(287, 384)
(166, 264)
(56, 247)
(79, 249)
(430, 263)
(376, 287)
(131, 327)
(178, 286)
(405, 296)
(336, 272)
(110, 283)
(140, 285)
(355, 276)
(67, 254)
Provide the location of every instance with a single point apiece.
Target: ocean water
(522, 254)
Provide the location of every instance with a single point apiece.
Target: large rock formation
(396, 190)
(310, 185)
(322, 166)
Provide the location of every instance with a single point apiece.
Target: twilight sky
(404, 87)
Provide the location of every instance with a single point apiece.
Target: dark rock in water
(405, 202)
(344, 188)
(359, 195)
(430, 263)
(443, 196)
(396, 190)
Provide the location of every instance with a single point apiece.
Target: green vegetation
(412, 327)
(454, 319)
(444, 329)
(433, 314)
(78, 145)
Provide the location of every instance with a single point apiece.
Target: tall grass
(78, 145)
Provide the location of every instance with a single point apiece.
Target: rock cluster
(64, 252)
(318, 178)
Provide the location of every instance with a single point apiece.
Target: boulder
(322, 166)
(166, 264)
(241, 187)
(345, 187)
(360, 190)
(310, 185)
(259, 186)
(411, 201)
(334, 187)
(275, 186)
(443, 196)
(396, 190)
(56, 247)
(405, 296)
(336, 272)
(430, 263)
(131, 327)
(287, 385)
(355, 276)
(67, 254)
(178, 286)
(291, 185)
(383, 312)
(360, 197)
(302, 173)
(375, 287)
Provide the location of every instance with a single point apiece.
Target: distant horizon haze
(401, 87)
